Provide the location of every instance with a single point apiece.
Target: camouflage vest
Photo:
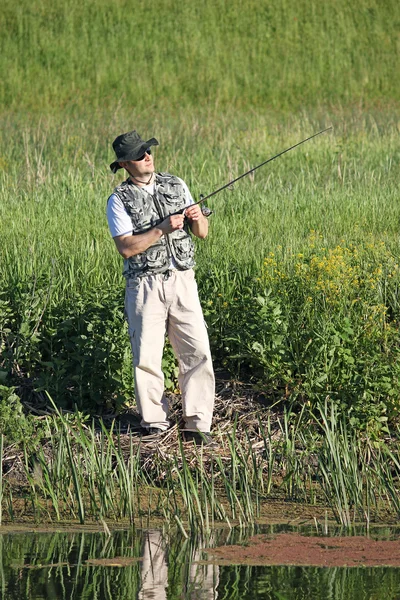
(147, 211)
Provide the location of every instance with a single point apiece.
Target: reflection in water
(154, 572)
(147, 565)
(197, 580)
(62, 566)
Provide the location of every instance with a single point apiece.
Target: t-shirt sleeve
(188, 195)
(119, 222)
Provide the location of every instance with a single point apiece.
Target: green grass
(341, 184)
(299, 276)
(68, 55)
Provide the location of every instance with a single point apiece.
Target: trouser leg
(146, 313)
(187, 332)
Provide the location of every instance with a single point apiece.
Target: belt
(167, 274)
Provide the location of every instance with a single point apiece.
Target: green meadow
(61, 55)
(299, 277)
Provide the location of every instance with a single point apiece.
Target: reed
(90, 473)
(1, 474)
(388, 468)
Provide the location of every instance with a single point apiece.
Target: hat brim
(115, 165)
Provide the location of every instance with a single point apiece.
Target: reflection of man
(195, 580)
(161, 293)
(154, 569)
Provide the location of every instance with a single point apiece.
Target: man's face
(139, 169)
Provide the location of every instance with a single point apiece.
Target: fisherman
(151, 217)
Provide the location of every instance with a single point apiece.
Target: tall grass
(1, 475)
(61, 55)
(298, 277)
(94, 474)
(62, 216)
(342, 474)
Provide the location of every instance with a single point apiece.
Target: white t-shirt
(119, 222)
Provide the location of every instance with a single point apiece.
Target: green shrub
(14, 424)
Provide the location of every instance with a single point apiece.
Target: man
(150, 216)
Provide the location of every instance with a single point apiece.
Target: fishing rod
(203, 198)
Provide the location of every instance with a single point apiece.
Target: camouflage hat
(129, 146)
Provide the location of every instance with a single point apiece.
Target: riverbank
(267, 463)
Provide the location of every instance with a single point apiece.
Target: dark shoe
(152, 431)
(201, 438)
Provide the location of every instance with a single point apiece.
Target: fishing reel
(206, 212)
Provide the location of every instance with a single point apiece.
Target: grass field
(299, 273)
(299, 277)
(282, 55)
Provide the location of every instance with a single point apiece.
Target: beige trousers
(169, 303)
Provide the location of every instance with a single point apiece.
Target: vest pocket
(157, 257)
(183, 250)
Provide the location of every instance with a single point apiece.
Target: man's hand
(197, 221)
(171, 223)
(131, 245)
(193, 212)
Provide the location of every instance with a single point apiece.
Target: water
(147, 564)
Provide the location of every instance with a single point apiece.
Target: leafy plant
(14, 423)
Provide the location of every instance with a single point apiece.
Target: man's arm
(198, 223)
(130, 245)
